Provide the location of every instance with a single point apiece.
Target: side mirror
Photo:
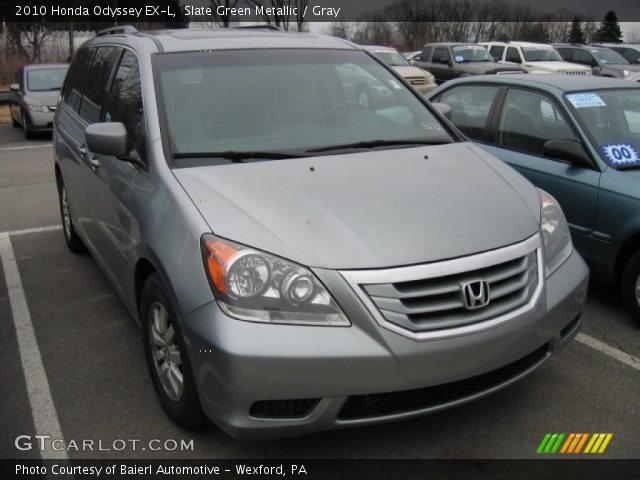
(14, 87)
(107, 139)
(449, 62)
(568, 150)
(443, 108)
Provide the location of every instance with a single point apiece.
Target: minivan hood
(375, 209)
(48, 98)
(408, 71)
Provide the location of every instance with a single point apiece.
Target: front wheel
(630, 287)
(167, 356)
(28, 133)
(74, 242)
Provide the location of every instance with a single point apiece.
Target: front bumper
(42, 121)
(251, 376)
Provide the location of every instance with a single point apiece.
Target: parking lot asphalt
(94, 373)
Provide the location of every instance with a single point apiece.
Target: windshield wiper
(409, 142)
(628, 166)
(238, 156)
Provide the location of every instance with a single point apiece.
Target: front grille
(417, 80)
(393, 403)
(437, 303)
(297, 408)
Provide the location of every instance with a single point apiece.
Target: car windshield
(393, 59)
(612, 119)
(43, 79)
(272, 103)
(471, 53)
(609, 57)
(541, 54)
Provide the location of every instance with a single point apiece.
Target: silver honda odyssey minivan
(298, 261)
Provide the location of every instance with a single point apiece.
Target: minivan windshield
(288, 103)
(612, 120)
(45, 79)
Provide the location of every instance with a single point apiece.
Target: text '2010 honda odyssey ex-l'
(298, 261)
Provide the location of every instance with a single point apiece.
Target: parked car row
(452, 60)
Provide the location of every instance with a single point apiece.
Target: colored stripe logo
(574, 443)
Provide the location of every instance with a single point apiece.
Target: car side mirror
(14, 87)
(107, 139)
(449, 62)
(443, 108)
(569, 150)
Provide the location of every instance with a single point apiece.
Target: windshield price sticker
(459, 58)
(586, 100)
(621, 154)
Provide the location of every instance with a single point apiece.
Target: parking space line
(25, 147)
(28, 231)
(608, 350)
(43, 410)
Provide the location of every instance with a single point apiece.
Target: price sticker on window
(621, 154)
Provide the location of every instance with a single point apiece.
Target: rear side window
(581, 56)
(513, 55)
(77, 79)
(95, 92)
(496, 52)
(470, 108)
(125, 100)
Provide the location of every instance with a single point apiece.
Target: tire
(28, 133)
(630, 287)
(74, 242)
(166, 356)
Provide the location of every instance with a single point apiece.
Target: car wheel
(363, 96)
(630, 287)
(28, 133)
(74, 242)
(166, 356)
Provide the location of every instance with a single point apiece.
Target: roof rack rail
(123, 29)
(265, 26)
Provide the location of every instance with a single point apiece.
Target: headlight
(431, 79)
(252, 285)
(625, 73)
(38, 108)
(555, 233)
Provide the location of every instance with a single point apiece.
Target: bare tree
(341, 30)
(632, 36)
(27, 38)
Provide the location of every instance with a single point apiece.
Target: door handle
(93, 160)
